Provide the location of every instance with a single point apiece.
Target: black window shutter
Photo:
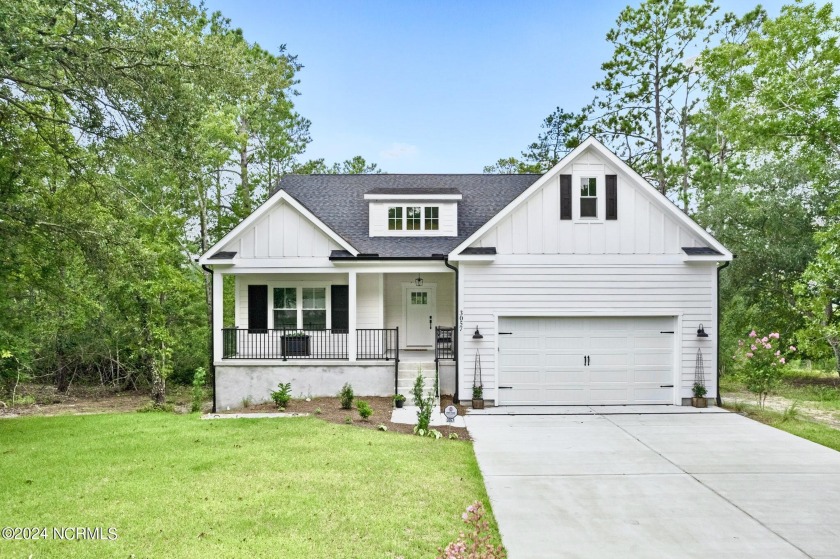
(340, 313)
(258, 308)
(612, 197)
(565, 196)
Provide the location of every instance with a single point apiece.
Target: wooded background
(135, 133)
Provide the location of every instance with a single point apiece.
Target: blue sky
(435, 87)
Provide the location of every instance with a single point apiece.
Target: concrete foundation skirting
(236, 382)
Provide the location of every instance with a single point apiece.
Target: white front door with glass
(419, 316)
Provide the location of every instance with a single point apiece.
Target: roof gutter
(718, 400)
(455, 398)
(376, 257)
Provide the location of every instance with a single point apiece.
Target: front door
(419, 316)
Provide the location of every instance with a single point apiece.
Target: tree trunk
(208, 279)
(244, 186)
(159, 379)
(657, 111)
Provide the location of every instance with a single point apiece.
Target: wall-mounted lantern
(477, 335)
(419, 281)
(701, 333)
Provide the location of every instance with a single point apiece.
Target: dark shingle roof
(223, 256)
(479, 250)
(415, 191)
(701, 251)
(338, 201)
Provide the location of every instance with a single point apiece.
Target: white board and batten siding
(281, 237)
(620, 269)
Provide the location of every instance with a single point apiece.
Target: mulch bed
(329, 409)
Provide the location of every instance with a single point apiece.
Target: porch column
(351, 319)
(218, 315)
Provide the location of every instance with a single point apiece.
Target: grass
(811, 430)
(177, 486)
(818, 389)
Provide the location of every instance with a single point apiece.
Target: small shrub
(435, 434)
(199, 378)
(282, 395)
(318, 411)
(476, 541)
(478, 392)
(399, 398)
(424, 414)
(346, 396)
(348, 420)
(453, 436)
(382, 427)
(24, 400)
(791, 412)
(365, 411)
(246, 402)
(151, 407)
(761, 363)
(699, 390)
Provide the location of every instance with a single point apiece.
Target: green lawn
(176, 486)
(811, 430)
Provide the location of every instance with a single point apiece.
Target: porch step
(407, 373)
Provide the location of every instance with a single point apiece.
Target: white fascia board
(473, 258)
(401, 197)
(262, 210)
(655, 195)
(706, 258)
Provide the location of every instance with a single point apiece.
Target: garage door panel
(623, 376)
(559, 376)
(564, 342)
(646, 358)
(660, 375)
(566, 396)
(542, 360)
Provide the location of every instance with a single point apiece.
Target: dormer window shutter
(565, 196)
(612, 196)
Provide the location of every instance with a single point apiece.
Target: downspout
(718, 400)
(212, 306)
(455, 398)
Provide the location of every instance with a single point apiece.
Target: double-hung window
(432, 223)
(412, 218)
(395, 219)
(314, 308)
(285, 307)
(308, 303)
(588, 197)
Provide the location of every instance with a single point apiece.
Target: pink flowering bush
(761, 363)
(476, 541)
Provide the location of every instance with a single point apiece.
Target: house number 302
(461, 321)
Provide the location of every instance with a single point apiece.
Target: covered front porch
(400, 314)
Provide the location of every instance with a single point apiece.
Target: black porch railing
(371, 343)
(378, 343)
(444, 343)
(279, 343)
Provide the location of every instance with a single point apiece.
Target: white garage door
(586, 361)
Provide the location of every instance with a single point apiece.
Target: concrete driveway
(682, 485)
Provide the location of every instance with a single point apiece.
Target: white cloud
(398, 150)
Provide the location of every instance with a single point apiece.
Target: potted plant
(478, 398)
(295, 344)
(699, 399)
(399, 400)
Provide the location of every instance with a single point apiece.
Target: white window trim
(405, 228)
(600, 197)
(299, 300)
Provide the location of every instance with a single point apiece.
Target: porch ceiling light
(701, 333)
(419, 281)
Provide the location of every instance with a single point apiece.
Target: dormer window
(588, 197)
(413, 212)
(395, 219)
(432, 223)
